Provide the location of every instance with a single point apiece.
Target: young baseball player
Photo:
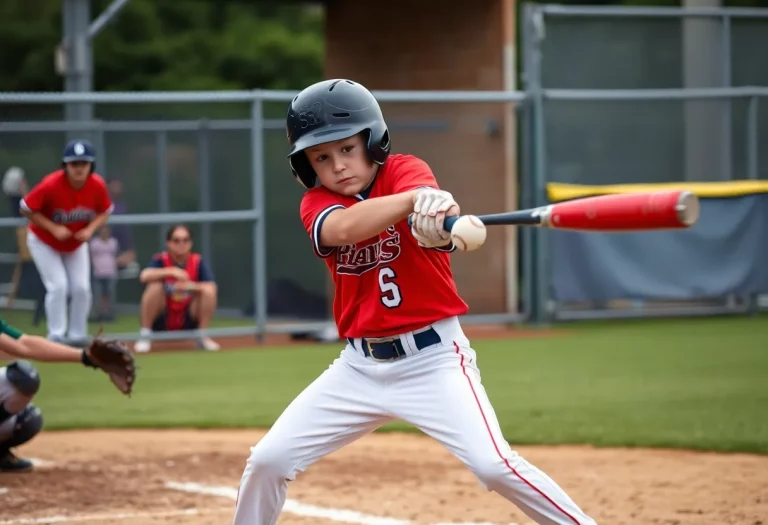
(65, 210)
(396, 303)
(20, 420)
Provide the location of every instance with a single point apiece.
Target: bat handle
(447, 223)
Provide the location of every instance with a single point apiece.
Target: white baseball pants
(64, 275)
(437, 389)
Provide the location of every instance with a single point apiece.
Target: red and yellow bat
(658, 210)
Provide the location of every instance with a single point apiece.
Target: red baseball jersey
(388, 284)
(57, 200)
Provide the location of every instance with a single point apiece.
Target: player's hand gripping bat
(659, 210)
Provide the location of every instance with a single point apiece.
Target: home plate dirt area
(152, 477)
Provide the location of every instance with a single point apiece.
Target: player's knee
(29, 423)
(153, 291)
(270, 463)
(211, 291)
(24, 377)
(491, 471)
(58, 289)
(80, 289)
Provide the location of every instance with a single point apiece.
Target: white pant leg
(340, 406)
(454, 409)
(78, 267)
(50, 266)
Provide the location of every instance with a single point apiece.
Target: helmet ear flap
(379, 145)
(302, 170)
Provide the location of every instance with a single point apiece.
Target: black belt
(390, 348)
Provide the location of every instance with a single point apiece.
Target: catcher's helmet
(333, 110)
(78, 150)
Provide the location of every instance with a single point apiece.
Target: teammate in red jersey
(396, 303)
(65, 209)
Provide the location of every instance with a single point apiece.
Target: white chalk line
(116, 516)
(302, 509)
(42, 463)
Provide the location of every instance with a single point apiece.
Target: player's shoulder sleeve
(103, 200)
(204, 273)
(156, 261)
(39, 195)
(316, 205)
(409, 172)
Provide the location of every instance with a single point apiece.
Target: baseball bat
(677, 209)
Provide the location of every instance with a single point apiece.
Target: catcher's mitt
(115, 359)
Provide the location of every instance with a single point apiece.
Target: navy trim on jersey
(367, 191)
(447, 248)
(317, 225)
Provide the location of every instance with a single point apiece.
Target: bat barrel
(627, 212)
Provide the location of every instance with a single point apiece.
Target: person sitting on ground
(180, 291)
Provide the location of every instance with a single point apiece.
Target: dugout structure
(432, 45)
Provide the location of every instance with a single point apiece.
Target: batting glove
(426, 232)
(429, 202)
(425, 242)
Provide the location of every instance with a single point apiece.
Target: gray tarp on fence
(726, 252)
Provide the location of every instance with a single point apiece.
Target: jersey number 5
(390, 291)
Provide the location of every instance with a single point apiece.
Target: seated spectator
(180, 291)
(104, 249)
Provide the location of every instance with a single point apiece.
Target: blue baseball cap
(78, 150)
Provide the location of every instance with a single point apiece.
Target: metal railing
(256, 126)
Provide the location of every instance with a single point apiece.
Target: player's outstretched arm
(36, 348)
(365, 219)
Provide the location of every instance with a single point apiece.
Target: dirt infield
(474, 332)
(147, 477)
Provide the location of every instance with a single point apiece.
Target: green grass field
(125, 323)
(695, 383)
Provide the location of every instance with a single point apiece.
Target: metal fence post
(163, 184)
(539, 272)
(726, 168)
(528, 163)
(204, 188)
(259, 227)
(752, 138)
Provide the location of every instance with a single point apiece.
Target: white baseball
(468, 233)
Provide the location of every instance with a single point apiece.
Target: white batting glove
(429, 201)
(425, 242)
(426, 232)
(427, 227)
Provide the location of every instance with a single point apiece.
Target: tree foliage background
(186, 44)
(170, 45)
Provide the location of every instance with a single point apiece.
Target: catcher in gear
(20, 420)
